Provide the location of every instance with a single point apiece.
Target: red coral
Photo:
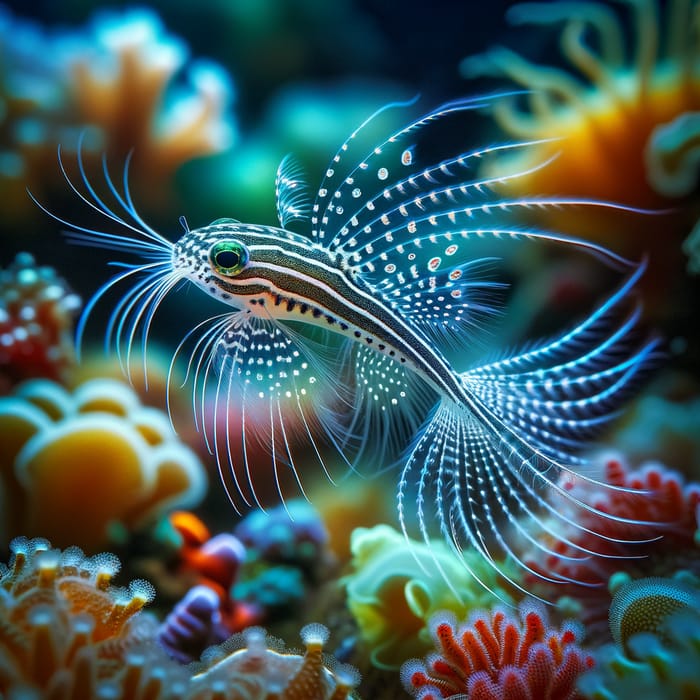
(498, 656)
(665, 502)
(36, 317)
(670, 509)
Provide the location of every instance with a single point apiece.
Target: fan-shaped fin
(291, 192)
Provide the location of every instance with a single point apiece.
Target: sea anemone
(398, 584)
(635, 105)
(500, 656)
(89, 466)
(37, 310)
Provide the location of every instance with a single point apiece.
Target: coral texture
(399, 584)
(63, 625)
(498, 656)
(90, 465)
(37, 310)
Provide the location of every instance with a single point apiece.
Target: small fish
(351, 335)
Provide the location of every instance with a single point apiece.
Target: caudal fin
(484, 470)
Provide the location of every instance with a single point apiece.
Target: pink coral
(37, 309)
(498, 656)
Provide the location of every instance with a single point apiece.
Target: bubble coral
(90, 465)
(660, 667)
(398, 584)
(119, 75)
(257, 667)
(637, 105)
(37, 310)
(63, 625)
(498, 656)
(643, 605)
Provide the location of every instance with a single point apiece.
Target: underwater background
(127, 572)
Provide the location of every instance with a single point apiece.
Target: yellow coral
(399, 584)
(78, 465)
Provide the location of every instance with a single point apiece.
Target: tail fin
(485, 467)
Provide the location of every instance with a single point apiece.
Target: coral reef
(398, 584)
(37, 310)
(256, 666)
(119, 76)
(90, 466)
(498, 655)
(631, 97)
(63, 625)
(666, 544)
(663, 668)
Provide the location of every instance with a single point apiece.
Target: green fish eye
(229, 257)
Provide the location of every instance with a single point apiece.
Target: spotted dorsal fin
(291, 192)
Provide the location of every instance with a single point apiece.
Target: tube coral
(497, 656)
(87, 465)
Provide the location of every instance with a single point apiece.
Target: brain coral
(88, 465)
(399, 584)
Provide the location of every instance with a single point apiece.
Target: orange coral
(62, 624)
(262, 670)
(82, 466)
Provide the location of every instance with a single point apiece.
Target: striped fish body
(342, 336)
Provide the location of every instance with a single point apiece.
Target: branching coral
(632, 98)
(87, 465)
(399, 584)
(119, 75)
(498, 656)
(37, 309)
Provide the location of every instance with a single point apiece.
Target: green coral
(399, 584)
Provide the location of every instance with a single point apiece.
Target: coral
(207, 614)
(89, 466)
(119, 76)
(632, 97)
(63, 625)
(398, 584)
(667, 503)
(497, 656)
(643, 605)
(663, 668)
(37, 309)
(256, 666)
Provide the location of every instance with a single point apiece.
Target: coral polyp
(497, 656)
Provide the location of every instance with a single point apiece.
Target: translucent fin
(291, 192)
(390, 405)
(263, 399)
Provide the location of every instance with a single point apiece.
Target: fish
(352, 333)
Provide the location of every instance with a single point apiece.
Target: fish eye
(229, 257)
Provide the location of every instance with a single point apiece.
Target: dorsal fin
(291, 192)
